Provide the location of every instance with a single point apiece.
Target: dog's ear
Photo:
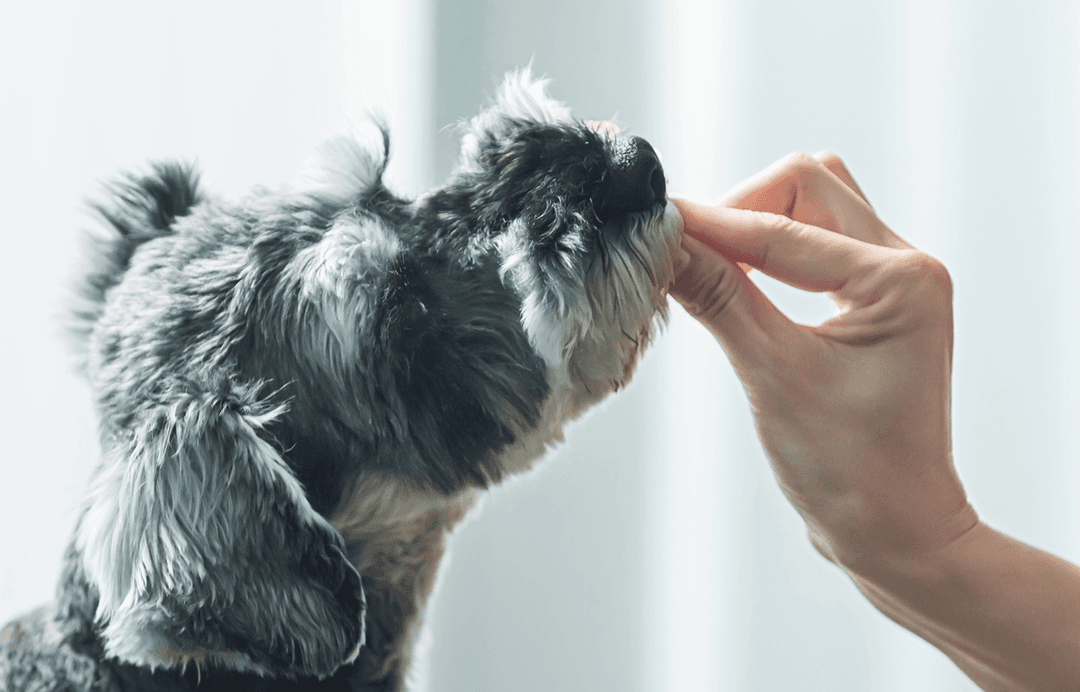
(522, 99)
(204, 549)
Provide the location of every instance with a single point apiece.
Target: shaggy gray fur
(301, 393)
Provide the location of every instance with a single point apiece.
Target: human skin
(854, 415)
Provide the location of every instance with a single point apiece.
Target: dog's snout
(636, 181)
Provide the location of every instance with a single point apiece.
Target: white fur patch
(341, 273)
(340, 170)
(525, 97)
(148, 648)
(581, 320)
(547, 308)
(521, 97)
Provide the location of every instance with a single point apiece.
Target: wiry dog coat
(302, 393)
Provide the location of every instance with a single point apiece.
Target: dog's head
(579, 220)
(338, 352)
(508, 300)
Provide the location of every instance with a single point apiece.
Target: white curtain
(653, 550)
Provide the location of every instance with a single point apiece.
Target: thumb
(717, 293)
(706, 282)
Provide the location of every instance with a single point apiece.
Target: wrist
(881, 539)
(895, 506)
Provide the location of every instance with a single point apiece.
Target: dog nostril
(636, 180)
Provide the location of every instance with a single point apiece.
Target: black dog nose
(635, 181)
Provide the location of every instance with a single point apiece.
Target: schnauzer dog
(302, 393)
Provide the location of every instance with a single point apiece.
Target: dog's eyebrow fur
(301, 393)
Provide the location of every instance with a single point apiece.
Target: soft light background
(653, 551)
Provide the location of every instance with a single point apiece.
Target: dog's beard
(599, 314)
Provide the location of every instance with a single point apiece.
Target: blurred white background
(653, 551)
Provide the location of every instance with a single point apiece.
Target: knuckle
(805, 172)
(930, 270)
(829, 158)
(801, 164)
(927, 277)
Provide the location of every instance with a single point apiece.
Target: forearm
(1006, 613)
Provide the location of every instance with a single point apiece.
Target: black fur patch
(514, 181)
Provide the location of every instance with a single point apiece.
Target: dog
(302, 393)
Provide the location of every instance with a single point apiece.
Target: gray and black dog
(302, 393)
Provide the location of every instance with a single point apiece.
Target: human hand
(853, 413)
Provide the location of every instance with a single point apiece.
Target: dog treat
(302, 392)
(603, 127)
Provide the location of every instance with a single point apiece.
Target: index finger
(806, 189)
(836, 167)
(801, 255)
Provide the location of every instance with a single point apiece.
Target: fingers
(719, 295)
(832, 162)
(803, 221)
(798, 254)
(818, 191)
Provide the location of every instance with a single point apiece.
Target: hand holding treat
(854, 415)
(855, 412)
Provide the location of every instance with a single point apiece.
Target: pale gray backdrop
(652, 551)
